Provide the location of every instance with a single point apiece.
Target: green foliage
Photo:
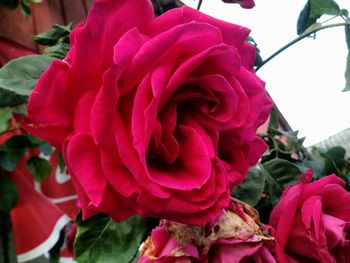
(5, 119)
(14, 149)
(313, 10)
(287, 159)
(25, 8)
(282, 171)
(304, 20)
(334, 161)
(40, 168)
(43, 146)
(273, 190)
(251, 189)
(61, 162)
(11, 4)
(18, 77)
(101, 240)
(7, 247)
(57, 40)
(294, 143)
(6, 162)
(9, 194)
(160, 7)
(58, 51)
(51, 37)
(347, 73)
(323, 7)
(258, 58)
(55, 251)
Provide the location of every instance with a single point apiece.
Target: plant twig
(14, 128)
(199, 4)
(307, 33)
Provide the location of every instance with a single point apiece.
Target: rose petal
(84, 163)
(193, 167)
(47, 115)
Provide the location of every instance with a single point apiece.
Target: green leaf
(273, 189)
(11, 4)
(315, 164)
(344, 12)
(304, 20)
(313, 10)
(294, 144)
(13, 150)
(18, 77)
(61, 163)
(5, 119)
(323, 7)
(6, 162)
(347, 35)
(337, 153)
(101, 240)
(25, 8)
(284, 172)
(40, 168)
(258, 58)
(52, 36)
(21, 109)
(347, 73)
(347, 70)
(45, 148)
(334, 162)
(273, 122)
(8, 194)
(18, 142)
(269, 198)
(9, 98)
(55, 251)
(58, 51)
(251, 189)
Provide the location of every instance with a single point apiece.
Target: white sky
(305, 81)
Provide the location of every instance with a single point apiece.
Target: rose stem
(312, 30)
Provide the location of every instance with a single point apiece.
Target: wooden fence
(20, 29)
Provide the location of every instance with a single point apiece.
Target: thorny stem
(199, 4)
(16, 127)
(313, 29)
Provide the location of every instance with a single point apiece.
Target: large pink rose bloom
(312, 221)
(155, 117)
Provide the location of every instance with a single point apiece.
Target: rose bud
(242, 3)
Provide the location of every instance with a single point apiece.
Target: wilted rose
(235, 236)
(312, 221)
(154, 116)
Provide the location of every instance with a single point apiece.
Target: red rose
(312, 221)
(154, 116)
(242, 3)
